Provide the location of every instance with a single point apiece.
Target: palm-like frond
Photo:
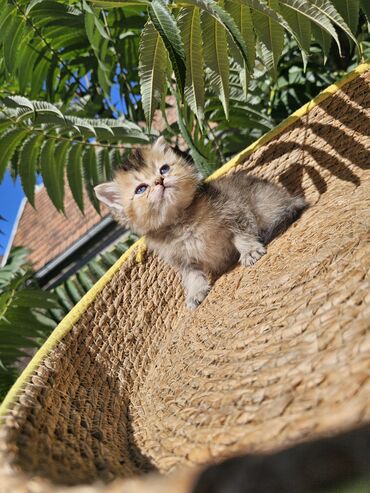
(229, 29)
(23, 322)
(38, 129)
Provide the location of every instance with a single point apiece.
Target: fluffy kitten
(199, 228)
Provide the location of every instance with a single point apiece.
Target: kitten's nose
(159, 180)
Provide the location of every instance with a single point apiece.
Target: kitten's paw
(193, 300)
(250, 258)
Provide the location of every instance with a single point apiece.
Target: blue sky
(11, 195)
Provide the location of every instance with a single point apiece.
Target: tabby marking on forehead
(136, 161)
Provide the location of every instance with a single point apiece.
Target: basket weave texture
(277, 354)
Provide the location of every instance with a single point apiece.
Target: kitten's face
(153, 188)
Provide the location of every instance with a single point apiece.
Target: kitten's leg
(196, 286)
(249, 247)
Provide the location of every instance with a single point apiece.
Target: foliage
(270, 100)
(78, 79)
(42, 138)
(218, 35)
(23, 323)
(69, 92)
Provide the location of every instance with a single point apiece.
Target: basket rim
(65, 326)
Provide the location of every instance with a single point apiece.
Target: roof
(47, 232)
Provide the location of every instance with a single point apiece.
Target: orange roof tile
(47, 232)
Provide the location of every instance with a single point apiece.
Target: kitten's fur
(199, 228)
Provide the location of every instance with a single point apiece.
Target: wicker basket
(131, 382)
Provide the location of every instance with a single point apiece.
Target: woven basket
(132, 382)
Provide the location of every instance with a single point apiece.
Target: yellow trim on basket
(73, 316)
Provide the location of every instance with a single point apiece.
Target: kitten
(199, 228)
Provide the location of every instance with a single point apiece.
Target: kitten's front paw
(193, 300)
(250, 258)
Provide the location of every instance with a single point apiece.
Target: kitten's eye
(164, 169)
(141, 189)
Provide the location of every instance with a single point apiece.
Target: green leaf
(32, 4)
(72, 291)
(216, 58)
(90, 173)
(115, 159)
(300, 25)
(323, 39)
(243, 19)
(308, 9)
(45, 108)
(50, 173)
(19, 102)
(9, 141)
(169, 31)
(270, 33)
(22, 320)
(349, 10)
(101, 159)
(74, 174)
(15, 340)
(81, 125)
(152, 70)
(6, 15)
(61, 155)
(39, 75)
(99, 41)
(328, 9)
(199, 159)
(217, 11)
(97, 268)
(63, 300)
(11, 43)
(27, 166)
(266, 56)
(262, 7)
(7, 33)
(26, 63)
(35, 298)
(105, 164)
(189, 23)
(119, 3)
(84, 280)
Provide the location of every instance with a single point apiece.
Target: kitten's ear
(109, 194)
(161, 144)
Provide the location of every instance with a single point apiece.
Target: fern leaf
(299, 24)
(74, 174)
(10, 140)
(50, 173)
(327, 8)
(27, 166)
(309, 10)
(270, 33)
(152, 70)
(90, 173)
(216, 58)
(189, 23)
(168, 29)
(349, 10)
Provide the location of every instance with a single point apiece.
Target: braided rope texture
(277, 354)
